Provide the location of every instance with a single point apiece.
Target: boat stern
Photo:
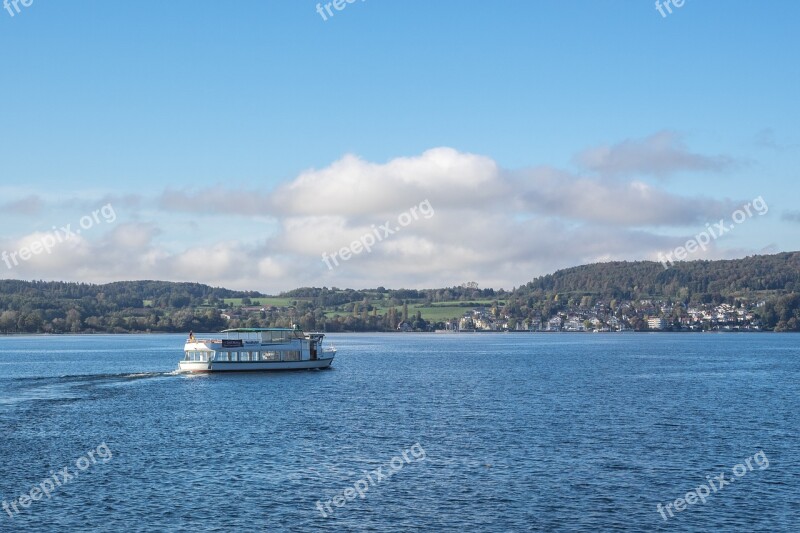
(194, 366)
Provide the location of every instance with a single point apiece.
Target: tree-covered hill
(765, 288)
(56, 306)
(701, 281)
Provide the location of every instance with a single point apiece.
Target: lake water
(494, 432)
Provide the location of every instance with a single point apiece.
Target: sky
(269, 145)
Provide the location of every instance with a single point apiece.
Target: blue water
(496, 432)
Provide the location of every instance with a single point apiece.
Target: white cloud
(630, 204)
(494, 226)
(353, 187)
(661, 154)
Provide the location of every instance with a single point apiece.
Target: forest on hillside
(692, 281)
(770, 284)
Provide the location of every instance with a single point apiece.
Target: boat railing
(245, 342)
(203, 341)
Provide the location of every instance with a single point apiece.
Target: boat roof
(255, 330)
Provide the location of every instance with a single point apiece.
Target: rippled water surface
(495, 432)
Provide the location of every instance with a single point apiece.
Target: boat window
(291, 355)
(276, 336)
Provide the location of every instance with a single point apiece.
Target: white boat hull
(252, 366)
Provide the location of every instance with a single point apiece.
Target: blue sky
(201, 121)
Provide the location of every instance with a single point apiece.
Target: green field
(439, 312)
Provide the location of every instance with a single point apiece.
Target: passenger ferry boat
(250, 349)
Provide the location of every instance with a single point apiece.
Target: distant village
(646, 315)
(641, 315)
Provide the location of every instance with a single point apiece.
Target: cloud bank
(661, 155)
(497, 226)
